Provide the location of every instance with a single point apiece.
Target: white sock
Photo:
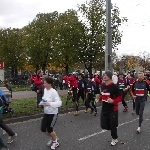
(55, 141)
(138, 128)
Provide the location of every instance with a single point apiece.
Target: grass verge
(27, 107)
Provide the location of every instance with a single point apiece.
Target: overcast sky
(136, 33)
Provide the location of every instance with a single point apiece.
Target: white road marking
(94, 134)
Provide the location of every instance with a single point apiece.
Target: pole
(108, 51)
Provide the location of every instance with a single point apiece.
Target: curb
(36, 116)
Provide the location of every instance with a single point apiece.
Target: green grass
(16, 88)
(27, 107)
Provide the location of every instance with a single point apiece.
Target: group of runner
(114, 89)
(110, 89)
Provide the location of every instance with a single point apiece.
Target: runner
(91, 96)
(51, 101)
(131, 80)
(8, 130)
(139, 93)
(97, 83)
(110, 97)
(73, 85)
(123, 86)
(38, 84)
(80, 91)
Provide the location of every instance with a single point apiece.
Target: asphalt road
(31, 94)
(83, 132)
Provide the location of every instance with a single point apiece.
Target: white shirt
(53, 98)
(114, 79)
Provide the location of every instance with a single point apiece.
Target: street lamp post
(108, 50)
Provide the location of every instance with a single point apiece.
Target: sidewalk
(31, 94)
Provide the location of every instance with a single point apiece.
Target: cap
(74, 73)
(109, 74)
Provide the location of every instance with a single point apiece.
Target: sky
(136, 33)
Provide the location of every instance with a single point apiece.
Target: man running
(73, 85)
(139, 93)
(51, 101)
(80, 91)
(123, 86)
(91, 96)
(110, 97)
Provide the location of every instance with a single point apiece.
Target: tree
(67, 40)
(94, 20)
(39, 35)
(12, 50)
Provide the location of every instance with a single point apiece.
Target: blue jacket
(3, 100)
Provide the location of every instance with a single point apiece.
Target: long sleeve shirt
(51, 96)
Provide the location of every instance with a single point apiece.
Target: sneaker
(11, 138)
(95, 114)
(138, 130)
(114, 142)
(92, 110)
(54, 145)
(86, 110)
(133, 112)
(4, 132)
(125, 109)
(49, 142)
(76, 113)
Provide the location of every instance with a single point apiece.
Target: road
(30, 94)
(83, 132)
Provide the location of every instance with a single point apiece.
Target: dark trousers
(81, 94)
(6, 128)
(139, 105)
(2, 145)
(123, 100)
(60, 85)
(39, 98)
(75, 98)
(90, 98)
(109, 121)
(133, 103)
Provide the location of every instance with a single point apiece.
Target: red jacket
(66, 79)
(38, 82)
(73, 81)
(97, 82)
(131, 81)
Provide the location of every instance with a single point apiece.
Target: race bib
(89, 90)
(105, 97)
(139, 92)
(121, 86)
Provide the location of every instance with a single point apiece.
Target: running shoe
(138, 130)
(133, 112)
(49, 142)
(11, 138)
(95, 114)
(114, 142)
(76, 113)
(86, 110)
(92, 110)
(125, 109)
(54, 145)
